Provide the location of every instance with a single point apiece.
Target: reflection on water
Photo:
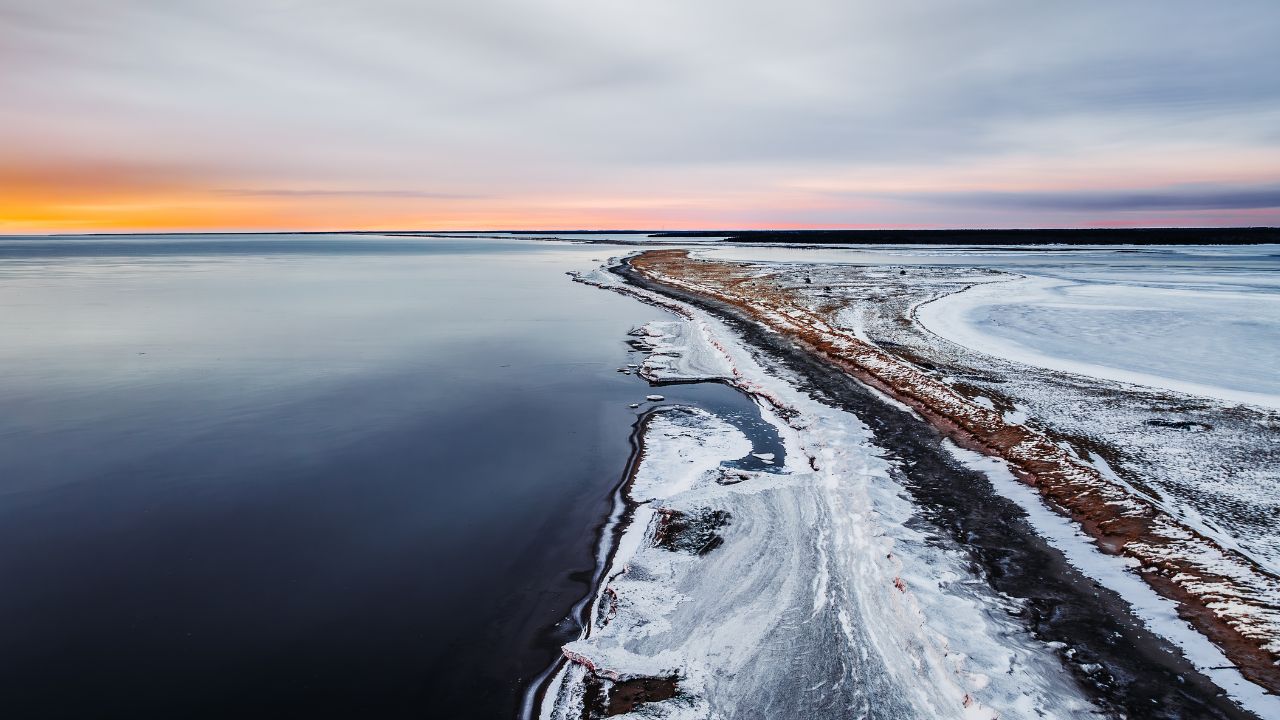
(348, 476)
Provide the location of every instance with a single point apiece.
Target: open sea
(302, 476)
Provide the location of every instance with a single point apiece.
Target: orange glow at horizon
(195, 212)
(36, 199)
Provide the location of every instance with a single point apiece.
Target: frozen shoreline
(900, 624)
(774, 384)
(1227, 596)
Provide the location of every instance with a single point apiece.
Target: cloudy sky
(260, 114)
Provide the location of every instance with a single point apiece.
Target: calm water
(301, 476)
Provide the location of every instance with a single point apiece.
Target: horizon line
(646, 231)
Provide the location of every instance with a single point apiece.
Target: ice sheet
(1219, 343)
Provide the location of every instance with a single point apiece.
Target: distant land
(1092, 236)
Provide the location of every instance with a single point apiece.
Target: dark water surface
(347, 477)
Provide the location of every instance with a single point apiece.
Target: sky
(660, 114)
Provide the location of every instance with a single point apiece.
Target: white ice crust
(681, 350)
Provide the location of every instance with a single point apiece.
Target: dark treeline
(1092, 236)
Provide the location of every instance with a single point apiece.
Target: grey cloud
(508, 96)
